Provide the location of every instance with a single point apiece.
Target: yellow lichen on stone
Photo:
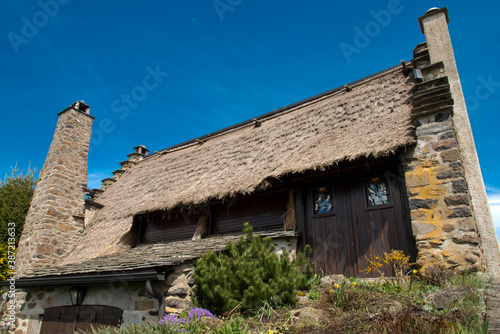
(419, 214)
(432, 242)
(424, 181)
(446, 254)
(437, 242)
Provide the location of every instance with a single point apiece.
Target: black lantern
(77, 293)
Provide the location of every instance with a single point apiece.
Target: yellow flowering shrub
(396, 259)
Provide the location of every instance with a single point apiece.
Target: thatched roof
(369, 119)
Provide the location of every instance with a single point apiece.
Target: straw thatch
(370, 120)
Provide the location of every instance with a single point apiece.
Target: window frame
(389, 189)
(324, 214)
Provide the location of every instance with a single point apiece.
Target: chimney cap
(141, 149)
(80, 105)
(431, 12)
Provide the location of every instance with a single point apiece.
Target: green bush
(5, 267)
(15, 197)
(249, 275)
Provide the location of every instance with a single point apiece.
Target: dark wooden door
(67, 319)
(355, 217)
(329, 229)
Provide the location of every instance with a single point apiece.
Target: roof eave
(94, 278)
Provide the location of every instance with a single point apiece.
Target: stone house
(385, 162)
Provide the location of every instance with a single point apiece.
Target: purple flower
(192, 317)
(196, 313)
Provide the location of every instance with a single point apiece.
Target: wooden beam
(300, 217)
(202, 226)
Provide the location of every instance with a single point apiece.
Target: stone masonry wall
(131, 297)
(442, 219)
(55, 218)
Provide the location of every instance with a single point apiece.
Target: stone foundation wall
(131, 297)
(179, 285)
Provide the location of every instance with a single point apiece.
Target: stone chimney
(54, 221)
(140, 152)
(434, 24)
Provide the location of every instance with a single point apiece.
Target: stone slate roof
(149, 256)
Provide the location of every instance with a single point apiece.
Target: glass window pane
(377, 191)
(323, 200)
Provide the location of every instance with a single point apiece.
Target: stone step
(432, 92)
(423, 87)
(432, 99)
(435, 110)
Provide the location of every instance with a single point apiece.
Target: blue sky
(215, 63)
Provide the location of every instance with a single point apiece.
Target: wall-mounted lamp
(417, 73)
(77, 293)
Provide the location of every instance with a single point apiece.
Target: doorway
(68, 319)
(354, 217)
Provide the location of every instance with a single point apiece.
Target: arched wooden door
(68, 319)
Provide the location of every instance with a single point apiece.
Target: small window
(160, 226)
(322, 200)
(377, 191)
(263, 211)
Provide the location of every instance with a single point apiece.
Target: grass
(384, 305)
(358, 306)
